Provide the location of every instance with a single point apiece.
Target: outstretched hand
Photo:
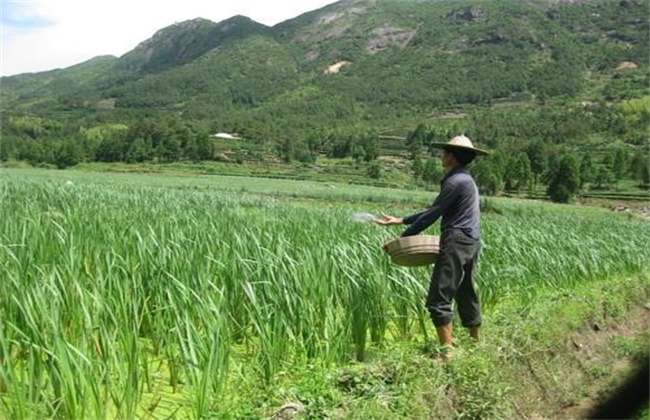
(387, 220)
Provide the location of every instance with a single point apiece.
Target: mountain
(186, 41)
(384, 65)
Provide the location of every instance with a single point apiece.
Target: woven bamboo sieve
(413, 250)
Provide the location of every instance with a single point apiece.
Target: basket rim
(413, 250)
(404, 242)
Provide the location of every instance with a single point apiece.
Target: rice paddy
(132, 296)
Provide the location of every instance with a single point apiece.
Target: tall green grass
(128, 297)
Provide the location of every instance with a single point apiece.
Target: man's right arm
(420, 221)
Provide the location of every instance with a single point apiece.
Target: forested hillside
(559, 90)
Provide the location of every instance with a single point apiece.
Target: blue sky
(41, 35)
(19, 16)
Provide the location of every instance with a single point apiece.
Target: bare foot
(445, 353)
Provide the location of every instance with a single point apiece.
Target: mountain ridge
(182, 42)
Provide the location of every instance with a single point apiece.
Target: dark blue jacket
(457, 203)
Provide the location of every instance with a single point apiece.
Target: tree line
(38, 140)
(517, 167)
(559, 152)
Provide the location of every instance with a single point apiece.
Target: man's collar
(456, 169)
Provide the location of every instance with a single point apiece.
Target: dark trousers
(453, 279)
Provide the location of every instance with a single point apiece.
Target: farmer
(460, 242)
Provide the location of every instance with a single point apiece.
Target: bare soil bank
(599, 364)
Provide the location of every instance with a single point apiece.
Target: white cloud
(47, 34)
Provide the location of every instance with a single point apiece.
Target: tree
(68, 153)
(640, 168)
(191, 149)
(619, 161)
(138, 151)
(111, 149)
(285, 149)
(204, 147)
(587, 169)
(522, 171)
(536, 152)
(170, 149)
(415, 140)
(338, 145)
(553, 161)
(432, 171)
(517, 173)
(499, 159)
(369, 142)
(604, 177)
(613, 167)
(564, 180)
(374, 170)
(7, 148)
(486, 177)
(418, 168)
(357, 151)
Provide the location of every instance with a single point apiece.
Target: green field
(159, 296)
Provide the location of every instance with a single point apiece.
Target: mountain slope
(241, 74)
(373, 63)
(47, 91)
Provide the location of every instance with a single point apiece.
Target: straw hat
(461, 142)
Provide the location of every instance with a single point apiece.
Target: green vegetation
(232, 282)
(533, 81)
(176, 296)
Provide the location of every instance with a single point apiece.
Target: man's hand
(387, 220)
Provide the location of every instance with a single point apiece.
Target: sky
(41, 35)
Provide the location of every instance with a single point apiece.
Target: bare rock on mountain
(387, 35)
